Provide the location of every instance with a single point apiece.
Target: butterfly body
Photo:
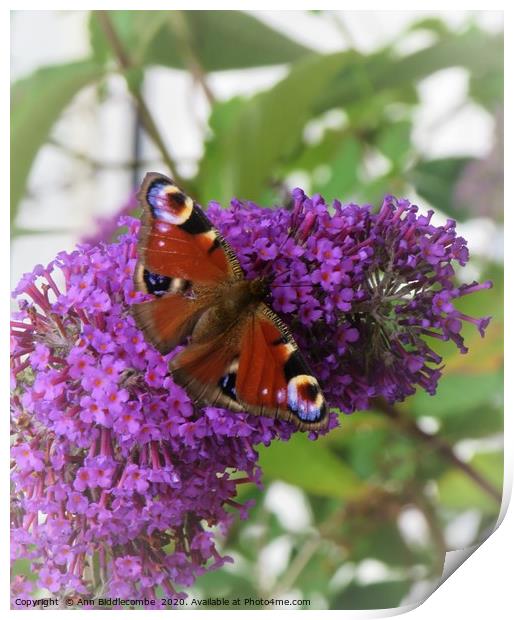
(239, 354)
(228, 304)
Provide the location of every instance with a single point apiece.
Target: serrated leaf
(37, 102)
(310, 466)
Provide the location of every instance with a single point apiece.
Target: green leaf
(224, 583)
(343, 170)
(311, 466)
(383, 595)
(37, 102)
(324, 151)
(435, 180)
(430, 24)
(228, 40)
(382, 541)
(475, 422)
(458, 393)
(22, 566)
(474, 49)
(459, 492)
(487, 89)
(136, 30)
(223, 116)
(374, 191)
(220, 39)
(394, 141)
(242, 158)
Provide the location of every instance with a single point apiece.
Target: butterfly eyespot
(305, 399)
(168, 203)
(228, 385)
(156, 284)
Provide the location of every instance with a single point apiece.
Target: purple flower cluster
(118, 479)
(361, 291)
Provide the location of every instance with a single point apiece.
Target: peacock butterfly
(238, 353)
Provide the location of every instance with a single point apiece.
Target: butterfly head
(260, 288)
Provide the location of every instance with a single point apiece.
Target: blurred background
(250, 104)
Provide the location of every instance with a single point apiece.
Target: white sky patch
(372, 571)
(484, 237)
(342, 577)
(446, 123)
(467, 448)
(414, 42)
(428, 424)
(299, 179)
(413, 527)
(374, 165)
(462, 531)
(290, 506)
(273, 560)
(315, 129)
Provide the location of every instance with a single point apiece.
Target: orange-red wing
(254, 366)
(273, 378)
(176, 237)
(178, 249)
(260, 374)
(166, 321)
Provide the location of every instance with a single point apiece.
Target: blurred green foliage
(357, 482)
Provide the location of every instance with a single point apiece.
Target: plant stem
(181, 29)
(126, 64)
(425, 506)
(444, 448)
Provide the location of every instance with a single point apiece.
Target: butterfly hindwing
(255, 367)
(273, 377)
